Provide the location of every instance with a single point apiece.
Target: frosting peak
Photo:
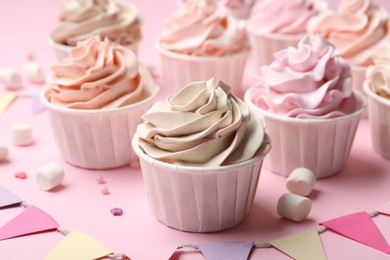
(98, 74)
(310, 81)
(378, 75)
(202, 125)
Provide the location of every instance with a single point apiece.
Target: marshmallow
(293, 207)
(49, 176)
(3, 151)
(301, 181)
(11, 78)
(21, 134)
(33, 72)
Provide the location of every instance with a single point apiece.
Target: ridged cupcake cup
(62, 51)
(180, 70)
(199, 199)
(264, 45)
(97, 139)
(321, 145)
(379, 118)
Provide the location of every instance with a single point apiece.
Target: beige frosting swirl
(200, 29)
(358, 29)
(98, 74)
(81, 19)
(378, 75)
(202, 125)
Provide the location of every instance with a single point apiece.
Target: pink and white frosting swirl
(310, 81)
(202, 125)
(358, 29)
(81, 19)
(98, 74)
(284, 16)
(378, 75)
(239, 9)
(199, 28)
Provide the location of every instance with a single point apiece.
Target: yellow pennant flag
(301, 246)
(6, 99)
(78, 246)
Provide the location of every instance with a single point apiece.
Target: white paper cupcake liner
(62, 51)
(321, 145)
(179, 70)
(379, 118)
(264, 45)
(200, 199)
(96, 139)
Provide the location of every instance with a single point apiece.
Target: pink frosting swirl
(198, 28)
(81, 19)
(284, 16)
(310, 81)
(98, 74)
(358, 29)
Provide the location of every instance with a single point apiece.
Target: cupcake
(358, 29)
(377, 88)
(239, 9)
(199, 42)
(276, 25)
(82, 19)
(310, 109)
(201, 152)
(95, 99)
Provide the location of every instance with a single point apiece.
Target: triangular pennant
(227, 250)
(301, 246)
(8, 199)
(5, 100)
(37, 105)
(359, 227)
(31, 220)
(385, 209)
(78, 246)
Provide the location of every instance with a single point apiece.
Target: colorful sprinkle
(21, 175)
(105, 190)
(117, 211)
(100, 180)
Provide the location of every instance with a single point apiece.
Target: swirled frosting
(81, 19)
(239, 9)
(358, 29)
(284, 16)
(98, 74)
(199, 28)
(378, 75)
(310, 81)
(202, 125)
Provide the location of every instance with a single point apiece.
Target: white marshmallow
(293, 207)
(11, 79)
(3, 151)
(301, 181)
(33, 72)
(21, 134)
(49, 176)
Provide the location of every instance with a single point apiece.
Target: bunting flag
(227, 250)
(78, 246)
(6, 99)
(359, 227)
(37, 105)
(30, 221)
(301, 246)
(385, 209)
(8, 199)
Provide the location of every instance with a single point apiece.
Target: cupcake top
(199, 28)
(284, 16)
(378, 75)
(202, 125)
(81, 19)
(358, 29)
(98, 74)
(239, 9)
(310, 81)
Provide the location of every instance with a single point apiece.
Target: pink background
(78, 204)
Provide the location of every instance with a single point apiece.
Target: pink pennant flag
(8, 199)
(31, 220)
(37, 105)
(359, 227)
(227, 250)
(385, 209)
